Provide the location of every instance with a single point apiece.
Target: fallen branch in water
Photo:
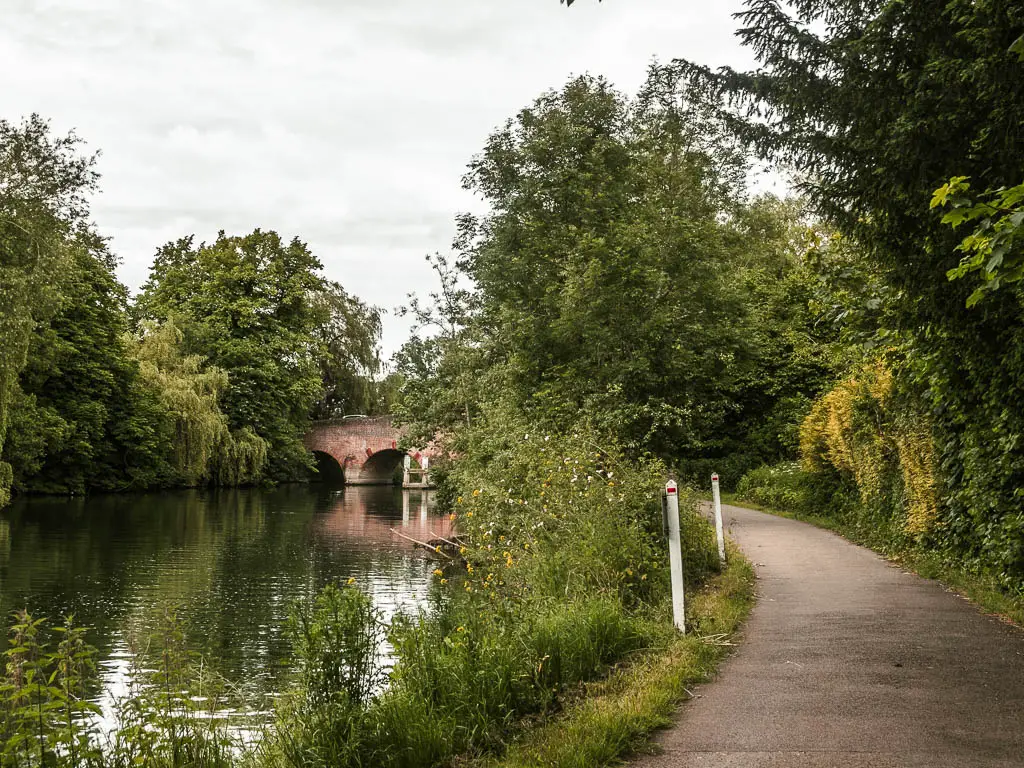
(423, 544)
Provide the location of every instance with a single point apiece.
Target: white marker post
(718, 518)
(675, 556)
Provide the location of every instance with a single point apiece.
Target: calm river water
(234, 560)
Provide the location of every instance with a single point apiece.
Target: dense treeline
(210, 375)
(623, 277)
(886, 110)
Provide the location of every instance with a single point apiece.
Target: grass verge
(981, 589)
(615, 716)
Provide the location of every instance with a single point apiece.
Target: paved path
(849, 661)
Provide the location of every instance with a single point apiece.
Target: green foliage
(172, 716)
(244, 304)
(994, 247)
(44, 184)
(336, 643)
(780, 486)
(189, 391)
(45, 718)
(620, 274)
(86, 421)
(348, 332)
(875, 106)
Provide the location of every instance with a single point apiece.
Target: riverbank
(554, 600)
(614, 717)
(981, 589)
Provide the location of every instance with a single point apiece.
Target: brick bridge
(366, 449)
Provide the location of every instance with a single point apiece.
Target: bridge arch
(329, 469)
(380, 468)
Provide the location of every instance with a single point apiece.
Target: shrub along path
(849, 661)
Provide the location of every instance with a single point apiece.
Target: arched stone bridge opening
(366, 449)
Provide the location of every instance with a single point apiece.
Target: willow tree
(204, 447)
(44, 188)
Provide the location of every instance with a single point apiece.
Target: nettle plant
(45, 718)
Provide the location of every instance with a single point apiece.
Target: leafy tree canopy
(608, 281)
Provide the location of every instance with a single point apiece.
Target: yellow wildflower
(460, 629)
(444, 581)
(438, 572)
(352, 580)
(476, 491)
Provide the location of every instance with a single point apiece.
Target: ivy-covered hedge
(874, 458)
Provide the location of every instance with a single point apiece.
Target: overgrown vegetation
(175, 713)
(615, 715)
(558, 576)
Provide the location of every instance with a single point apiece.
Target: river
(233, 560)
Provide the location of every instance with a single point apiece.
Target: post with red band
(675, 556)
(718, 518)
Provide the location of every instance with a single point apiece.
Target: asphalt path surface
(849, 661)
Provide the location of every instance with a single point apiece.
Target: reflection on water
(234, 560)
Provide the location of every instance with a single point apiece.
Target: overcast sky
(346, 122)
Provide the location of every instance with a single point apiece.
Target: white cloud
(346, 122)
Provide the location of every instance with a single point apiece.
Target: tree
(348, 334)
(876, 105)
(81, 402)
(44, 188)
(611, 282)
(601, 268)
(248, 305)
(204, 448)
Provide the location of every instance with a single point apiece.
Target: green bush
(782, 486)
